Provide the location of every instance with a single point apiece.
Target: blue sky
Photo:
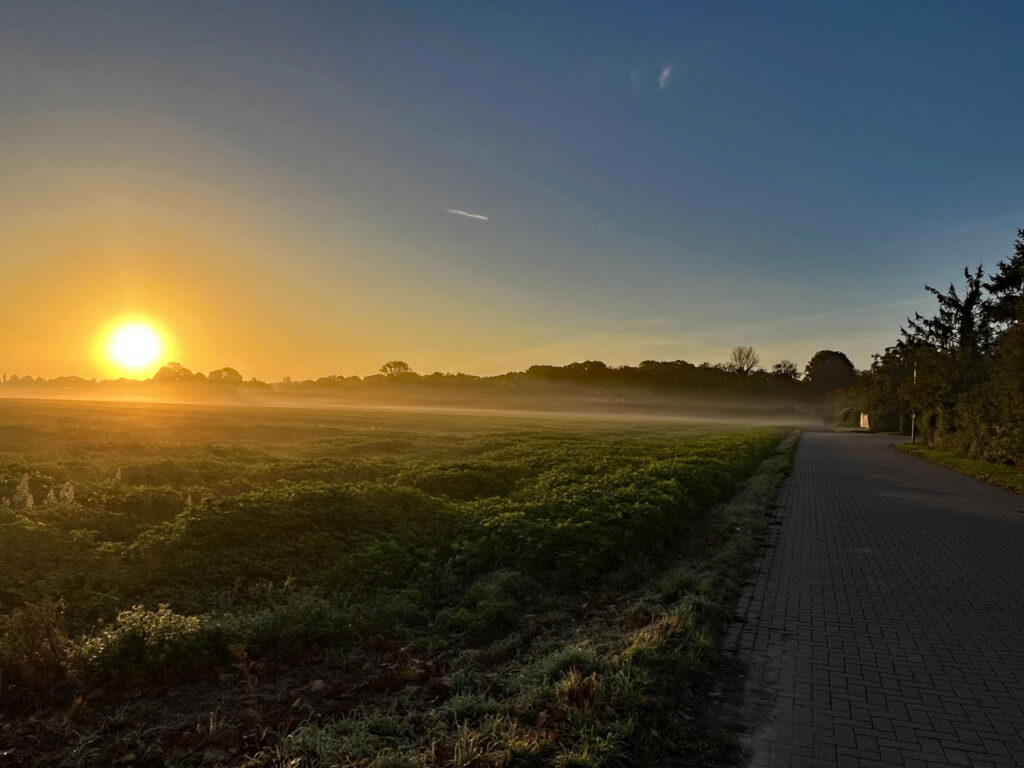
(658, 180)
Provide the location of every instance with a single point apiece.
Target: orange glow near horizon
(133, 347)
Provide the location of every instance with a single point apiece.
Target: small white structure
(864, 424)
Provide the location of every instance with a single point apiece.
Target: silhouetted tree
(829, 370)
(1006, 287)
(395, 368)
(882, 390)
(962, 323)
(786, 369)
(962, 371)
(173, 373)
(743, 360)
(991, 414)
(225, 376)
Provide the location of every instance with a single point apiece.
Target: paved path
(886, 626)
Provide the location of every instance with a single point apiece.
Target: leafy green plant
(34, 644)
(158, 643)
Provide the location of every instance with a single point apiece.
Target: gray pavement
(886, 625)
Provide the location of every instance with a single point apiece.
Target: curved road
(886, 625)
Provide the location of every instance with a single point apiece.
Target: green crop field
(227, 586)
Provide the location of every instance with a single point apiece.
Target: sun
(133, 346)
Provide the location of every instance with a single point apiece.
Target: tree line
(739, 378)
(959, 372)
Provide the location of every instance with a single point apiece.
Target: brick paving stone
(886, 625)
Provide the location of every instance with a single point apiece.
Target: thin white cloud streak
(467, 214)
(664, 77)
(978, 225)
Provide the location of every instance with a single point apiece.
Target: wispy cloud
(976, 225)
(643, 76)
(664, 77)
(467, 214)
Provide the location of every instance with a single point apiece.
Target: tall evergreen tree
(1007, 287)
(962, 324)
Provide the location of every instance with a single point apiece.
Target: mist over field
(578, 404)
(671, 389)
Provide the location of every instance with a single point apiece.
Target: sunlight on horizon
(133, 346)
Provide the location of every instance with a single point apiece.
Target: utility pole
(913, 414)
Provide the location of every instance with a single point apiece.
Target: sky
(302, 189)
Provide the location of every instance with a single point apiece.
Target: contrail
(467, 214)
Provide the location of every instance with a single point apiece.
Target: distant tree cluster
(739, 379)
(666, 383)
(960, 372)
(176, 373)
(172, 374)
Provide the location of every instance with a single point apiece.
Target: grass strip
(1009, 478)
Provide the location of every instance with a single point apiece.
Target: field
(185, 585)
